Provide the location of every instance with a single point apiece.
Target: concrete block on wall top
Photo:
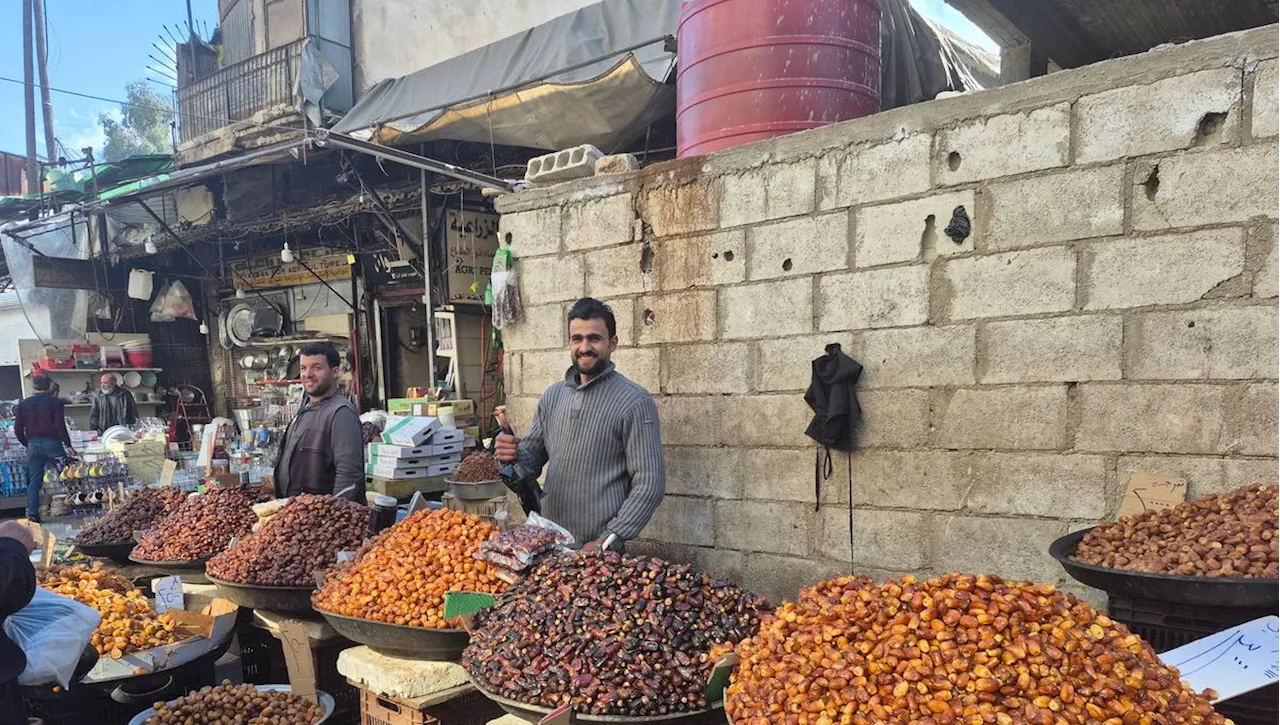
(575, 163)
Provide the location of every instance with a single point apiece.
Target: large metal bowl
(118, 552)
(1194, 590)
(293, 600)
(479, 491)
(398, 640)
(326, 704)
(191, 570)
(535, 713)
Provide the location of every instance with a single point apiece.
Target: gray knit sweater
(603, 452)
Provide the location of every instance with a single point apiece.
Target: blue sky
(97, 46)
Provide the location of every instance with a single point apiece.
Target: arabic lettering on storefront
(268, 271)
(471, 239)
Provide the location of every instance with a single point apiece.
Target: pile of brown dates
(202, 526)
(305, 537)
(609, 635)
(143, 508)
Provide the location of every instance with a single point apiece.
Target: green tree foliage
(143, 126)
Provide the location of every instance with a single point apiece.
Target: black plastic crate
(1167, 626)
(90, 704)
(262, 660)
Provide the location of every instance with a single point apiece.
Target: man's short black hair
(42, 383)
(322, 348)
(589, 308)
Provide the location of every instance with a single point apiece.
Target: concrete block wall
(1113, 309)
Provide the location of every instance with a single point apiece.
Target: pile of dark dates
(143, 508)
(304, 537)
(202, 526)
(609, 635)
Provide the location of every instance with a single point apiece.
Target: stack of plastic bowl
(137, 353)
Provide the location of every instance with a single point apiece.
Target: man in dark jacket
(41, 426)
(112, 405)
(323, 449)
(17, 587)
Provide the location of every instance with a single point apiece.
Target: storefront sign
(386, 270)
(471, 239)
(61, 273)
(268, 271)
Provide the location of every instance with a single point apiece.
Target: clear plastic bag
(174, 301)
(52, 631)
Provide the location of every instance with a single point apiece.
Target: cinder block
(766, 526)
(893, 418)
(1196, 109)
(896, 479)
(1152, 418)
(684, 420)
(640, 365)
(599, 222)
(1003, 418)
(533, 232)
(915, 357)
(1255, 423)
(396, 676)
(1055, 208)
(770, 192)
(543, 328)
(558, 278)
(882, 539)
(902, 232)
(1004, 145)
(799, 246)
(541, 369)
(1039, 484)
(683, 520)
(766, 309)
(676, 317)
(623, 317)
(575, 163)
(1265, 82)
(682, 209)
(1198, 188)
(763, 420)
(874, 172)
(1015, 549)
(782, 577)
(703, 261)
(1063, 349)
(894, 297)
(785, 363)
(774, 474)
(511, 374)
(617, 164)
(1027, 282)
(1266, 283)
(711, 368)
(703, 471)
(1204, 476)
(619, 271)
(1165, 270)
(1214, 344)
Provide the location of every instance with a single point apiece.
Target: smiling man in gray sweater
(597, 434)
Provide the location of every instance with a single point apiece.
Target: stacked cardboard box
(465, 416)
(414, 447)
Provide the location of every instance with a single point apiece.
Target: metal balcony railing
(238, 91)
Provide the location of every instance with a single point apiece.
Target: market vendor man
(112, 405)
(323, 449)
(597, 433)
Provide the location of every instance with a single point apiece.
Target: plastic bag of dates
(609, 635)
(202, 526)
(303, 538)
(139, 511)
(1228, 535)
(955, 649)
(402, 574)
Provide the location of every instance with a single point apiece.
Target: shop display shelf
(1203, 591)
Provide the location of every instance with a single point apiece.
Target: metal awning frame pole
(327, 138)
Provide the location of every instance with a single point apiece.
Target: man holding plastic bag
(17, 586)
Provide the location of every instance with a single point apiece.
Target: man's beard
(596, 365)
(322, 389)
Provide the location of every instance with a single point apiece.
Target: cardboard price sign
(560, 716)
(1150, 493)
(720, 677)
(168, 594)
(166, 473)
(48, 543)
(298, 660)
(1232, 662)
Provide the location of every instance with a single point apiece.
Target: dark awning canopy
(595, 75)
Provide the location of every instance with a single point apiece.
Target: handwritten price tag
(559, 716)
(1148, 493)
(298, 660)
(168, 594)
(1233, 662)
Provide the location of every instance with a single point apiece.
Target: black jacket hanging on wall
(835, 411)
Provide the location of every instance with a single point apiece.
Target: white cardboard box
(442, 469)
(409, 431)
(416, 462)
(447, 435)
(387, 451)
(384, 471)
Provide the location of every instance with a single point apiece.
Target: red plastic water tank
(755, 69)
